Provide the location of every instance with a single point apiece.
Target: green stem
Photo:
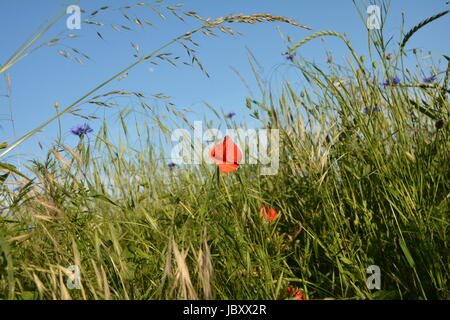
(17, 56)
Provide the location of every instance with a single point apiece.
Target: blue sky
(46, 77)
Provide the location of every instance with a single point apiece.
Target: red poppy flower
(288, 291)
(268, 213)
(226, 155)
(299, 295)
(293, 293)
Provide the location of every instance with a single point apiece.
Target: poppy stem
(218, 176)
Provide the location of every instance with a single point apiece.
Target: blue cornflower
(374, 109)
(395, 80)
(429, 79)
(81, 130)
(290, 57)
(172, 165)
(230, 115)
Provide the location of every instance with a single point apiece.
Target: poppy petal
(226, 155)
(228, 168)
(268, 214)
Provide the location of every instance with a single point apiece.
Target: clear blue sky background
(45, 76)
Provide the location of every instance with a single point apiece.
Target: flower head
(299, 295)
(290, 57)
(429, 79)
(374, 109)
(387, 82)
(230, 115)
(295, 293)
(172, 165)
(226, 155)
(267, 213)
(81, 130)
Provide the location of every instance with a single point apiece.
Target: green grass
(354, 189)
